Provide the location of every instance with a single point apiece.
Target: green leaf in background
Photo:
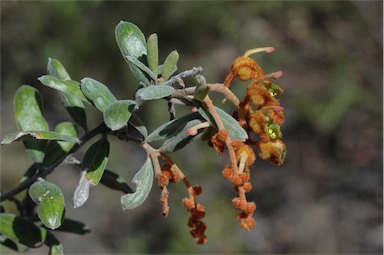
(72, 104)
(95, 160)
(55, 68)
(168, 129)
(235, 131)
(169, 65)
(29, 116)
(115, 181)
(37, 135)
(67, 86)
(117, 114)
(153, 54)
(73, 226)
(154, 92)
(143, 180)
(50, 201)
(21, 230)
(98, 93)
(57, 149)
(132, 43)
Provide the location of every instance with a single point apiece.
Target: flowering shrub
(255, 124)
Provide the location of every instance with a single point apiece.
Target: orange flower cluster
(260, 113)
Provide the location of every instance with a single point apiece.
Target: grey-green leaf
(95, 160)
(169, 65)
(153, 53)
(132, 43)
(180, 138)
(56, 69)
(134, 61)
(154, 92)
(235, 131)
(50, 201)
(168, 129)
(29, 116)
(117, 114)
(67, 86)
(98, 93)
(143, 180)
(37, 135)
(21, 230)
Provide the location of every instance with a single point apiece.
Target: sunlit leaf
(21, 230)
(67, 86)
(39, 135)
(98, 93)
(169, 65)
(117, 114)
(235, 131)
(154, 92)
(81, 194)
(56, 69)
(50, 201)
(143, 180)
(132, 43)
(153, 53)
(29, 116)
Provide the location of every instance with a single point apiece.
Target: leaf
(21, 230)
(169, 128)
(235, 131)
(37, 135)
(153, 54)
(50, 201)
(67, 86)
(98, 93)
(72, 104)
(137, 124)
(11, 244)
(180, 138)
(202, 88)
(134, 61)
(73, 226)
(29, 116)
(143, 180)
(117, 114)
(95, 160)
(56, 69)
(55, 247)
(154, 92)
(131, 42)
(169, 65)
(57, 149)
(115, 181)
(81, 194)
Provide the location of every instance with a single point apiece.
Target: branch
(44, 171)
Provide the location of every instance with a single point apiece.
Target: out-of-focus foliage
(327, 198)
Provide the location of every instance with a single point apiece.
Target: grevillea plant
(254, 125)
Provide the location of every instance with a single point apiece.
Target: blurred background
(326, 198)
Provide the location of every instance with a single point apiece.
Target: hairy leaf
(168, 129)
(180, 138)
(29, 116)
(169, 65)
(81, 194)
(39, 135)
(131, 42)
(98, 93)
(154, 92)
(56, 69)
(50, 201)
(143, 180)
(21, 230)
(67, 86)
(235, 131)
(153, 53)
(117, 114)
